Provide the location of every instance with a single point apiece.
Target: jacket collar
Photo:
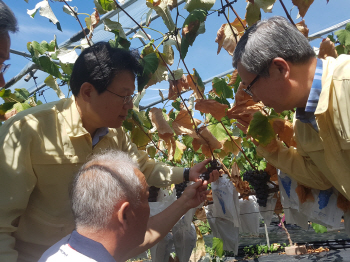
(72, 120)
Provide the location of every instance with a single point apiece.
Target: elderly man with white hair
(109, 200)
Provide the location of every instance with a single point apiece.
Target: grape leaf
(67, 56)
(221, 88)
(5, 107)
(230, 147)
(111, 26)
(253, 14)
(197, 86)
(344, 37)
(161, 74)
(45, 10)
(302, 27)
(260, 129)
(151, 151)
(284, 129)
(150, 64)
(303, 6)
(107, 5)
(21, 94)
(162, 9)
(227, 37)
(218, 246)
(177, 86)
(319, 228)
(162, 126)
(212, 107)
(139, 138)
(51, 82)
(119, 41)
(190, 28)
(48, 66)
(179, 150)
(41, 49)
(218, 131)
(199, 4)
(183, 124)
(21, 106)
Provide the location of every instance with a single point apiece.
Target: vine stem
(76, 16)
(240, 149)
(154, 143)
(240, 20)
(285, 10)
(228, 22)
(171, 72)
(285, 229)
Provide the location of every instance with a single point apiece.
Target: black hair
(100, 63)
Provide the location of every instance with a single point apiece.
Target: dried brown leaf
(233, 78)
(164, 130)
(242, 187)
(304, 193)
(198, 91)
(183, 125)
(177, 86)
(170, 144)
(227, 37)
(343, 203)
(230, 147)
(285, 131)
(278, 207)
(302, 27)
(327, 48)
(201, 215)
(212, 107)
(303, 6)
(272, 171)
(196, 144)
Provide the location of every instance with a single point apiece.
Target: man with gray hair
(8, 23)
(109, 200)
(278, 67)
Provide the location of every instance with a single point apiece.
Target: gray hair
(268, 39)
(97, 188)
(8, 20)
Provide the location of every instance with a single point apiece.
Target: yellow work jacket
(322, 159)
(40, 151)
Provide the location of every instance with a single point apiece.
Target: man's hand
(194, 194)
(200, 168)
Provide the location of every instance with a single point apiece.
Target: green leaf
(344, 35)
(6, 107)
(219, 132)
(221, 88)
(253, 13)
(139, 138)
(176, 104)
(199, 81)
(199, 4)
(218, 246)
(190, 28)
(151, 151)
(49, 67)
(340, 49)
(107, 5)
(21, 106)
(236, 84)
(260, 129)
(187, 140)
(67, 68)
(119, 41)
(22, 94)
(38, 47)
(128, 125)
(331, 37)
(5, 93)
(150, 64)
(319, 228)
(179, 151)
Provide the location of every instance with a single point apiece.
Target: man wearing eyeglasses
(43, 147)
(279, 68)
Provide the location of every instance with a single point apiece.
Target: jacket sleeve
(296, 164)
(17, 181)
(157, 173)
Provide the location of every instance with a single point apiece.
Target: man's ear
(86, 91)
(123, 213)
(279, 68)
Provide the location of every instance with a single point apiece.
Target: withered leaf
(230, 147)
(210, 106)
(177, 86)
(285, 131)
(183, 124)
(327, 48)
(164, 130)
(304, 193)
(302, 27)
(272, 171)
(227, 37)
(201, 215)
(242, 187)
(303, 6)
(233, 77)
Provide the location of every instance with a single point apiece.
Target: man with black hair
(44, 146)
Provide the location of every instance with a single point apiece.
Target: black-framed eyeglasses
(4, 68)
(126, 99)
(247, 90)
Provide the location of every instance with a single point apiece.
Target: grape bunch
(258, 180)
(180, 188)
(213, 165)
(153, 194)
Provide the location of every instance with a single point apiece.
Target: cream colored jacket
(40, 151)
(322, 160)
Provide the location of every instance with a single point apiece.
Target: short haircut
(8, 21)
(268, 39)
(100, 63)
(97, 188)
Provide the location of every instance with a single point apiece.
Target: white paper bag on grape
(249, 216)
(163, 201)
(185, 238)
(226, 201)
(161, 251)
(224, 229)
(267, 212)
(324, 209)
(294, 216)
(289, 198)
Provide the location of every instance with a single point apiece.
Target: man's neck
(87, 123)
(303, 76)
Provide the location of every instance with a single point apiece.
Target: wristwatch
(187, 174)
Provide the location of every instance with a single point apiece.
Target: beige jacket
(322, 160)
(41, 150)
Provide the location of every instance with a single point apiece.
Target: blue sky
(202, 55)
